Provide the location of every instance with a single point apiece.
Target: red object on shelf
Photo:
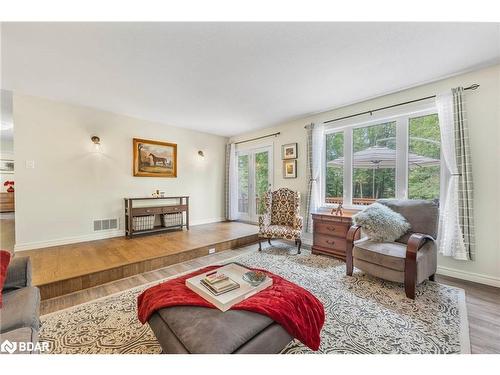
(10, 185)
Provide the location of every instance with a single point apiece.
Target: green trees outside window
(425, 140)
(261, 179)
(334, 175)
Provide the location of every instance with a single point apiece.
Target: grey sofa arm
(18, 274)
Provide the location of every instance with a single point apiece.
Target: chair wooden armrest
(351, 235)
(415, 243)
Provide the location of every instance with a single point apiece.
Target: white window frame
(401, 116)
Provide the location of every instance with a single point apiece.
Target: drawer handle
(330, 242)
(332, 229)
(148, 210)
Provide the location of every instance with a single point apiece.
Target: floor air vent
(105, 224)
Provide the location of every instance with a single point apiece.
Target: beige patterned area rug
(363, 314)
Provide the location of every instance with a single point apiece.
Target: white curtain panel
(232, 193)
(450, 236)
(315, 149)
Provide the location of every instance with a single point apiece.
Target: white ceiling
(229, 78)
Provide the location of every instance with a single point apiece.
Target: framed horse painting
(154, 158)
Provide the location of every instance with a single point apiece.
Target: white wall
(484, 120)
(71, 186)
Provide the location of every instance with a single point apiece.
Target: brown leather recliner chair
(411, 259)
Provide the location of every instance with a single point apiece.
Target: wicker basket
(171, 220)
(143, 222)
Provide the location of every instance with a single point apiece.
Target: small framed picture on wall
(290, 169)
(289, 151)
(6, 166)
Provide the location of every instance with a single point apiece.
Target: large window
(396, 158)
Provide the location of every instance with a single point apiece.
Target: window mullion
(322, 173)
(402, 158)
(348, 167)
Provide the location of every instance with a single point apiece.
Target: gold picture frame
(154, 158)
(289, 151)
(290, 168)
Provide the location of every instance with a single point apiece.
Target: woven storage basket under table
(143, 222)
(171, 220)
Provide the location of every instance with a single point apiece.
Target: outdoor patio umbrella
(377, 157)
(382, 157)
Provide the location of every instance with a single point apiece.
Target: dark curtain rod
(370, 112)
(254, 139)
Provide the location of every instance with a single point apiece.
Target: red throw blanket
(299, 312)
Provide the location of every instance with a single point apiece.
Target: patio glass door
(254, 179)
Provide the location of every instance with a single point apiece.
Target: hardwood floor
(483, 302)
(483, 309)
(7, 231)
(65, 269)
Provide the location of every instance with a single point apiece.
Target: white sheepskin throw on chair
(380, 223)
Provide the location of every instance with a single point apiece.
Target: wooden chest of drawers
(329, 234)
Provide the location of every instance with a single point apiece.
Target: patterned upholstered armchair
(282, 217)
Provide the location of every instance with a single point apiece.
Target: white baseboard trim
(193, 223)
(92, 237)
(469, 276)
(68, 240)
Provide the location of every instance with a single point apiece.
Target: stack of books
(230, 297)
(218, 283)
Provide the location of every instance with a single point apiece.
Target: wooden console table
(6, 202)
(181, 207)
(329, 234)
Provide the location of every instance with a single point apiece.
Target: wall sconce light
(97, 143)
(201, 154)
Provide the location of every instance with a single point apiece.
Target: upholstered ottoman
(202, 330)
